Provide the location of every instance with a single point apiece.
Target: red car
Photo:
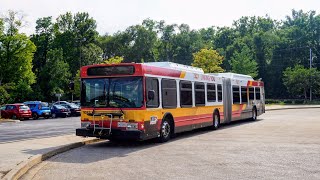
(16, 111)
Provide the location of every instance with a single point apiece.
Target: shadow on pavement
(108, 149)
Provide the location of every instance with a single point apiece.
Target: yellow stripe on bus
(183, 74)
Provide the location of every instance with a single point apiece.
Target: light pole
(310, 74)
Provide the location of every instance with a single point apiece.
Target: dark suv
(39, 109)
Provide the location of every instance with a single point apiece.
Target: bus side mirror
(151, 95)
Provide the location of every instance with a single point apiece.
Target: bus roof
(233, 76)
(176, 66)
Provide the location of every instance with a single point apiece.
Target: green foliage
(91, 54)
(16, 54)
(114, 60)
(299, 79)
(77, 85)
(56, 74)
(243, 63)
(75, 33)
(209, 60)
(4, 95)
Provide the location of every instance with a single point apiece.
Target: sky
(117, 15)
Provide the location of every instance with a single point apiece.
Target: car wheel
(54, 115)
(35, 116)
(165, 131)
(216, 120)
(46, 117)
(26, 118)
(64, 116)
(14, 117)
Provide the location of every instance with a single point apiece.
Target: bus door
(227, 100)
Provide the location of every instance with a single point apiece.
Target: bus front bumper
(115, 133)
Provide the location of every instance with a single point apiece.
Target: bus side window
(199, 94)
(153, 85)
(244, 96)
(185, 94)
(219, 92)
(169, 93)
(211, 92)
(251, 93)
(236, 94)
(257, 93)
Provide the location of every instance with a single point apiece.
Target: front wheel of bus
(165, 131)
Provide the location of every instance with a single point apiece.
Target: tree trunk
(305, 93)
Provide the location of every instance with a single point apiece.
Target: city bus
(139, 101)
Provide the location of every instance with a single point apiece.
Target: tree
(243, 63)
(43, 40)
(298, 80)
(16, 53)
(115, 60)
(72, 33)
(209, 60)
(56, 74)
(77, 86)
(91, 54)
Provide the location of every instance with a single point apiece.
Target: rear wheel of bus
(254, 114)
(216, 120)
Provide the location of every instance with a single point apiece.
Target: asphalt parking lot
(40, 128)
(280, 145)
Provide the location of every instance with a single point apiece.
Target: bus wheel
(254, 114)
(165, 131)
(216, 120)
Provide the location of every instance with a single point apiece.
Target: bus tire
(216, 120)
(254, 114)
(165, 130)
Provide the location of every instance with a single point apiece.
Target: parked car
(74, 109)
(39, 109)
(16, 111)
(59, 111)
(77, 102)
(62, 102)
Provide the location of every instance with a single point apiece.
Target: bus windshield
(123, 92)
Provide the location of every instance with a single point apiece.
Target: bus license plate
(122, 124)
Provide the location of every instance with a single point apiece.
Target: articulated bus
(140, 101)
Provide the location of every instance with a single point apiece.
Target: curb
(25, 166)
(277, 109)
(8, 120)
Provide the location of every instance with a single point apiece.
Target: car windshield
(59, 107)
(73, 106)
(124, 92)
(32, 105)
(44, 104)
(23, 107)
